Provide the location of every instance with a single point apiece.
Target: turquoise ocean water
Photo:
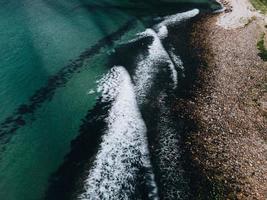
(52, 53)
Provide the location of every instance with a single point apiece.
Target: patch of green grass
(262, 48)
(260, 5)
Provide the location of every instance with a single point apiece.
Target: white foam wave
(177, 61)
(174, 74)
(162, 28)
(146, 68)
(124, 147)
(177, 18)
(109, 85)
(163, 32)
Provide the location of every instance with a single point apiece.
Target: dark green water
(52, 54)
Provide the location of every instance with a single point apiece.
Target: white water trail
(177, 61)
(177, 18)
(124, 148)
(146, 70)
(168, 154)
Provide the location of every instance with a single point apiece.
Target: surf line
(145, 72)
(124, 147)
(123, 152)
(110, 158)
(67, 180)
(17, 120)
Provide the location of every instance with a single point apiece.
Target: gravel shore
(229, 108)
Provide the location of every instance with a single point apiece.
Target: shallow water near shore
(87, 91)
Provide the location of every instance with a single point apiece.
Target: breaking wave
(124, 150)
(147, 66)
(123, 155)
(177, 18)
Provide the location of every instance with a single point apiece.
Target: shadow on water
(36, 67)
(68, 181)
(17, 119)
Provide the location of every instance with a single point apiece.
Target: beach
(121, 99)
(229, 102)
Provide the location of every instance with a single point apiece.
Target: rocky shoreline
(228, 106)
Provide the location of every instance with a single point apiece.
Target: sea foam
(177, 18)
(168, 154)
(124, 149)
(147, 67)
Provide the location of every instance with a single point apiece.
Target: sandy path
(242, 13)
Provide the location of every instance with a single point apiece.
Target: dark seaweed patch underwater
(87, 95)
